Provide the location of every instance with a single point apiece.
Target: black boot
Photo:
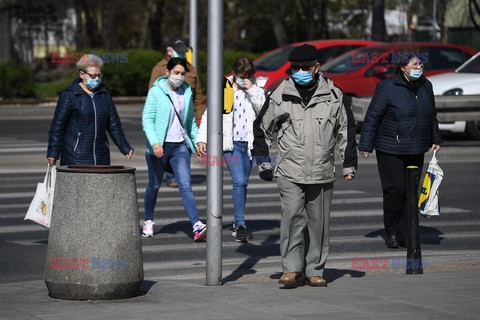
(392, 242)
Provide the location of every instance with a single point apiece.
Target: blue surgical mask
(92, 84)
(302, 77)
(239, 82)
(178, 55)
(415, 74)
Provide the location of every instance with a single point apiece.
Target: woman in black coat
(401, 125)
(84, 114)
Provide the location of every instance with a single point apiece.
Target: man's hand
(129, 154)
(265, 171)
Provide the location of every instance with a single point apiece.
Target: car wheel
(472, 129)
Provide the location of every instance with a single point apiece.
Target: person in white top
(238, 121)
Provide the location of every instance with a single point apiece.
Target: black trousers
(393, 176)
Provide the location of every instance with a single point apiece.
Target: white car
(464, 81)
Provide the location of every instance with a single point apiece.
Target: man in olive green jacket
(307, 113)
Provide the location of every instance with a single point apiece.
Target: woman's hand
(247, 83)
(129, 154)
(158, 150)
(364, 154)
(51, 161)
(201, 149)
(435, 147)
(348, 177)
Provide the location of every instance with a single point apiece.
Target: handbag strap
(176, 112)
(48, 177)
(434, 157)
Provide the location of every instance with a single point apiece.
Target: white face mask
(176, 81)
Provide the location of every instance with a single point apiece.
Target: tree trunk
(324, 33)
(378, 20)
(5, 23)
(156, 26)
(276, 18)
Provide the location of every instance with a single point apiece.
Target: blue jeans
(178, 155)
(240, 165)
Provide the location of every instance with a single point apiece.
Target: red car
(272, 67)
(358, 71)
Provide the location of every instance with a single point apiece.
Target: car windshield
(353, 60)
(274, 60)
(472, 66)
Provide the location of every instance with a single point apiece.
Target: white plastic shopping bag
(40, 210)
(428, 200)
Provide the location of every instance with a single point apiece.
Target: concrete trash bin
(94, 248)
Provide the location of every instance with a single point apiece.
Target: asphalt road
(356, 223)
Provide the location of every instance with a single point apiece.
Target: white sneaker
(199, 231)
(148, 228)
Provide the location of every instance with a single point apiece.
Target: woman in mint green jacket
(169, 124)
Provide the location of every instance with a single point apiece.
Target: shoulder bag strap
(176, 112)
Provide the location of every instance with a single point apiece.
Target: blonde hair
(89, 60)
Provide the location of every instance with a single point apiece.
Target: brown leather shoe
(292, 279)
(316, 281)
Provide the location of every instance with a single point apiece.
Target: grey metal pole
(193, 27)
(414, 263)
(215, 142)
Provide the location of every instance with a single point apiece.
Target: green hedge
(16, 81)
(131, 77)
(128, 76)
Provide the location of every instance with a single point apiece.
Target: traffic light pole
(215, 142)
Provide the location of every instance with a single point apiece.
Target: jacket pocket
(324, 133)
(297, 127)
(283, 128)
(76, 143)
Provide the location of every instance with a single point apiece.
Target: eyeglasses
(417, 64)
(307, 67)
(93, 76)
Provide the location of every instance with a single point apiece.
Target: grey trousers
(304, 227)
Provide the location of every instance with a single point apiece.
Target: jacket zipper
(95, 136)
(416, 97)
(76, 143)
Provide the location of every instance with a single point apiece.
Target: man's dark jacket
(78, 133)
(400, 121)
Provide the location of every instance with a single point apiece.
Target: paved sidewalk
(441, 293)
